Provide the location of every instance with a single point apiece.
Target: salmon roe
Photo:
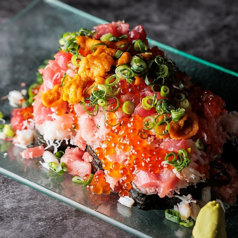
(75, 117)
(125, 140)
(99, 184)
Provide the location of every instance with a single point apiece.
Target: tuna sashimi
(73, 158)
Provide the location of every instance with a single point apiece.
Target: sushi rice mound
(109, 99)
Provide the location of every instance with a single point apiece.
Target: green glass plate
(30, 38)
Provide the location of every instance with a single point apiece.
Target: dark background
(205, 28)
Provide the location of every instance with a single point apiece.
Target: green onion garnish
(93, 46)
(62, 80)
(88, 181)
(102, 102)
(59, 154)
(8, 131)
(117, 38)
(140, 46)
(128, 107)
(179, 161)
(184, 104)
(85, 32)
(61, 168)
(137, 64)
(112, 80)
(94, 112)
(118, 54)
(199, 144)
(106, 37)
(177, 114)
(160, 123)
(74, 60)
(187, 223)
(179, 97)
(125, 72)
(31, 92)
(110, 104)
(159, 60)
(162, 71)
(164, 106)
(77, 179)
(148, 123)
(1, 114)
(53, 166)
(148, 102)
(172, 215)
(164, 92)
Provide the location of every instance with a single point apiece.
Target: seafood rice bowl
(119, 116)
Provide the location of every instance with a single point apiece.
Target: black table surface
(204, 28)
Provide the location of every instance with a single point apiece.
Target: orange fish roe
(99, 184)
(125, 140)
(75, 117)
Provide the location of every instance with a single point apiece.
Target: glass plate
(30, 38)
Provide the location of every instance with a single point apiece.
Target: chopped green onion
(128, 107)
(117, 38)
(148, 102)
(148, 81)
(77, 179)
(59, 154)
(137, 64)
(140, 46)
(94, 112)
(124, 72)
(172, 215)
(159, 60)
(53, 166)
(175, 217)
(164, 92)
(93, 46)
(162, 71)
(115, 108)
(185, 104)
(148, 123)
(74, 60)
(180, 160)
(115, 91)
(199, 144)
(177, 114)
(1, 114)
(110, 82)
(88, 181)
(187, 223)
(8, 131)
(62, 80)
(179, 97)
(155, 87)
(85, 32)
(123, 45)
(31, 89)
(106, 37)
(102, 102)
(118, 54)
(160, 123)
(61, 168)
(164, 106)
